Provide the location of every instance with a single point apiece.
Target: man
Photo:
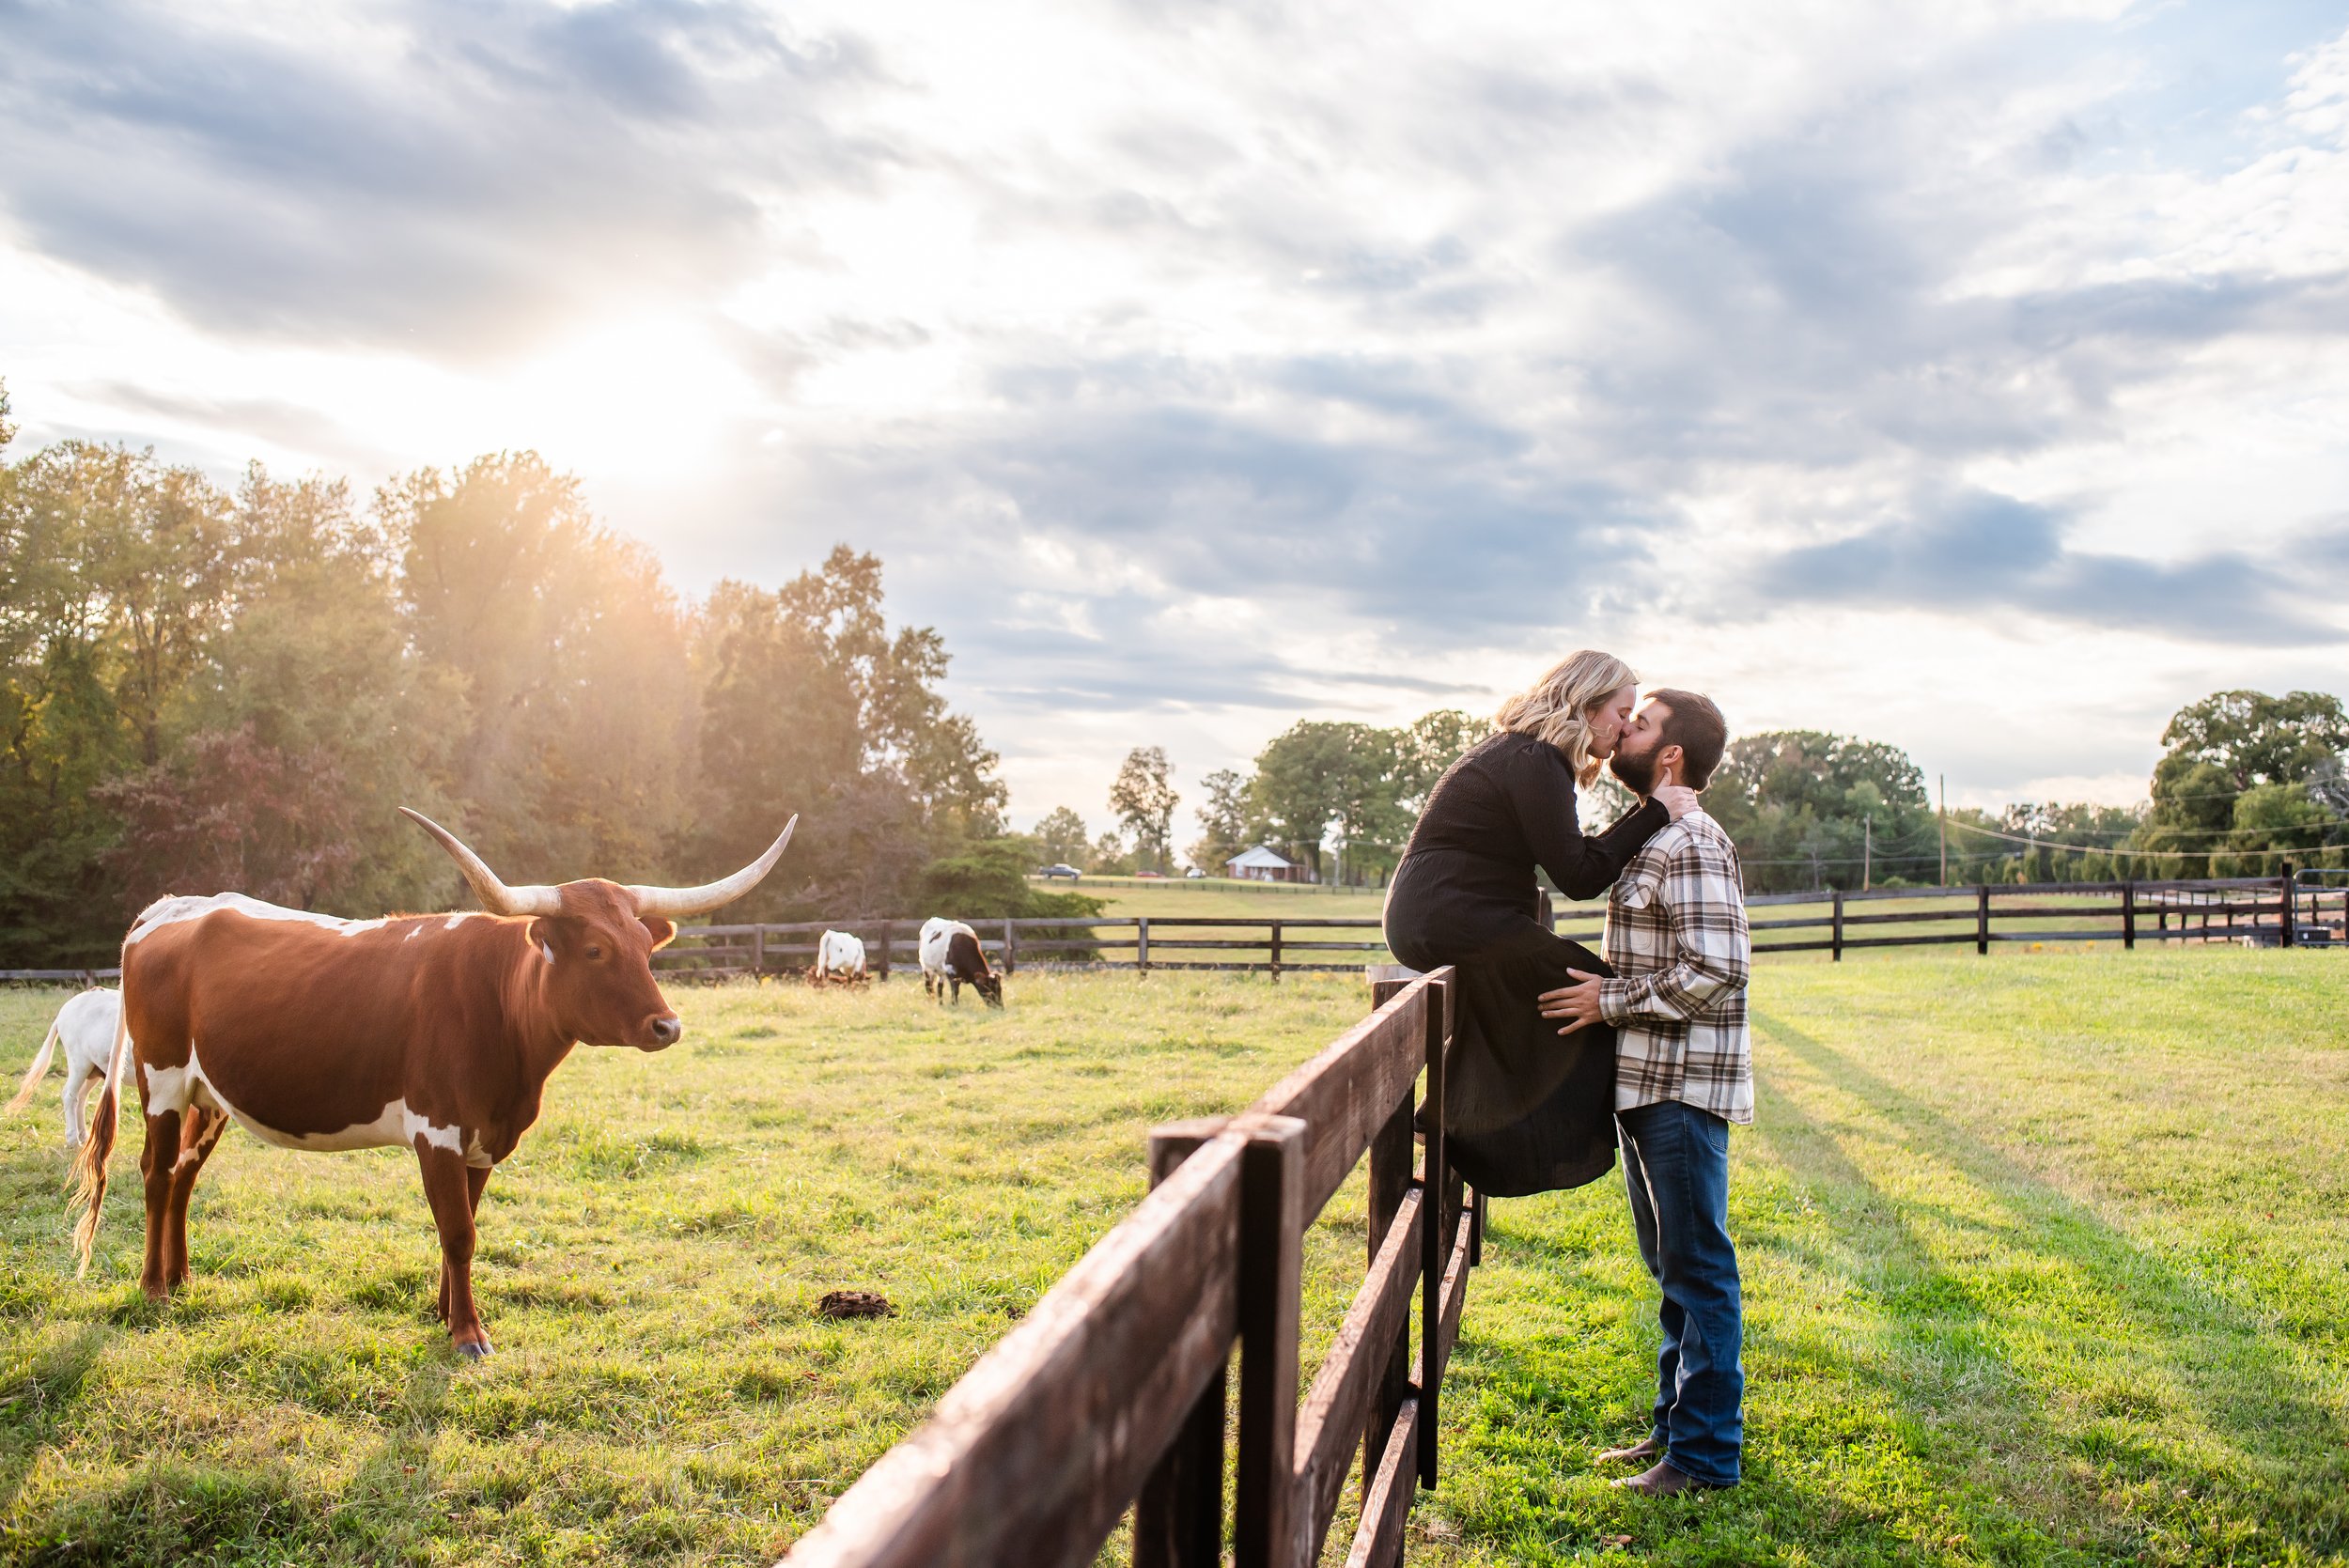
(1684, 1070)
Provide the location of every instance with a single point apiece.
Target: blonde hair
(1556, 707)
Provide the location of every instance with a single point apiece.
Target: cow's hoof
(474, 1350)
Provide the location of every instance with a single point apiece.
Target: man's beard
(1637, 771)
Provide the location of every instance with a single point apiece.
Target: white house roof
(1260, 859)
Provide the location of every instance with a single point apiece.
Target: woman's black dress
(1527, 1111)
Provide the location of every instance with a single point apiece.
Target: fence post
(758, 952)
(1389, 1180)
(1178, 1518)
(1548, 911)
(2128, 915)
(1011, 957)
(1142, 943)
(884, 949)
(1838, 954)
(1981, 920)
(1266, 1530)
(2291, 904)
(1276, 953)
(1435, 1240)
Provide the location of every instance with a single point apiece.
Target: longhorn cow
(840, 955)
(434, 1032)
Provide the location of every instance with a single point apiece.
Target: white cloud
(1195, 367)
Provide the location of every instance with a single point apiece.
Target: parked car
(1192, 874)
(1068, 870)
(1159, 874)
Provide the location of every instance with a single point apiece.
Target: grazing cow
(87, 1024)
(952, 957)
(839, 956)
(434, 1032)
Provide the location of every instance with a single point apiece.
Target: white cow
(87, 1024)
(839, 956)
(953, 958)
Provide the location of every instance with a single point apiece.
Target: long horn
(495, 896)
(694, 901)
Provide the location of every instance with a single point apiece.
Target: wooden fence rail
(2302, 908)
(1113, 1391)
(2290, 911)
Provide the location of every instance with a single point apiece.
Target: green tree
(1110, 856)
(2225, 746)
(314, 670)
(1302, 779)
(574, 745)
(1143, 796)
(987, 880)
(114, 577)
(1063, 838)
(2274, 824)
(1429, 746)
(1226, 824)
(1804, 806)
(810, 703)
(2256, 738)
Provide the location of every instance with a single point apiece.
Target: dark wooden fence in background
(1111, 1393)
(2309, 908)
(2305, 909)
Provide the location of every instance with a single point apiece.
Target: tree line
(205, 688)
(2247, 783)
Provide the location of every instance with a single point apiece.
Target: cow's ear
(664, 931)
(541, 933)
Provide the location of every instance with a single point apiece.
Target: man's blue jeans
(1676, 1162)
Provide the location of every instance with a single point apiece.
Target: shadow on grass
(35, 1407)
(2279, 1452)
(179, 1510)
(391, 1506)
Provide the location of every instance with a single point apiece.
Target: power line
(2185, 832)
(2121, 849)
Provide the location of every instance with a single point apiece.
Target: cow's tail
(89, 1165)
(34, 1074)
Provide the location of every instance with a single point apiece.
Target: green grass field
(2044, 1262)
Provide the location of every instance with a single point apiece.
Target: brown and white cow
(952, 957)
(435, 1033)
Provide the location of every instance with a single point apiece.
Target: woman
(1529, 1112)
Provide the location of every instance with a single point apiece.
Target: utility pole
(1945, 829)
(1867, 851)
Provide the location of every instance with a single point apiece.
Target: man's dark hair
(1692, 723)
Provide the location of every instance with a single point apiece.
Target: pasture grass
(648, 1265)
(2044, 1259)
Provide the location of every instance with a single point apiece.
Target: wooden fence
(2240, 910)
(1110, 1394)
(1285, 945)
(2302, 908)
(2288, 910)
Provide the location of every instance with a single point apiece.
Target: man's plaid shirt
(1676, 940)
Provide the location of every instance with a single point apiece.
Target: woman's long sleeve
(1582, 866)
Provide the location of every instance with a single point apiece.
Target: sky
(1969, 376)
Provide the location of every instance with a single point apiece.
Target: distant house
(1266, 864)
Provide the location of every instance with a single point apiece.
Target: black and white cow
(952, 958)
